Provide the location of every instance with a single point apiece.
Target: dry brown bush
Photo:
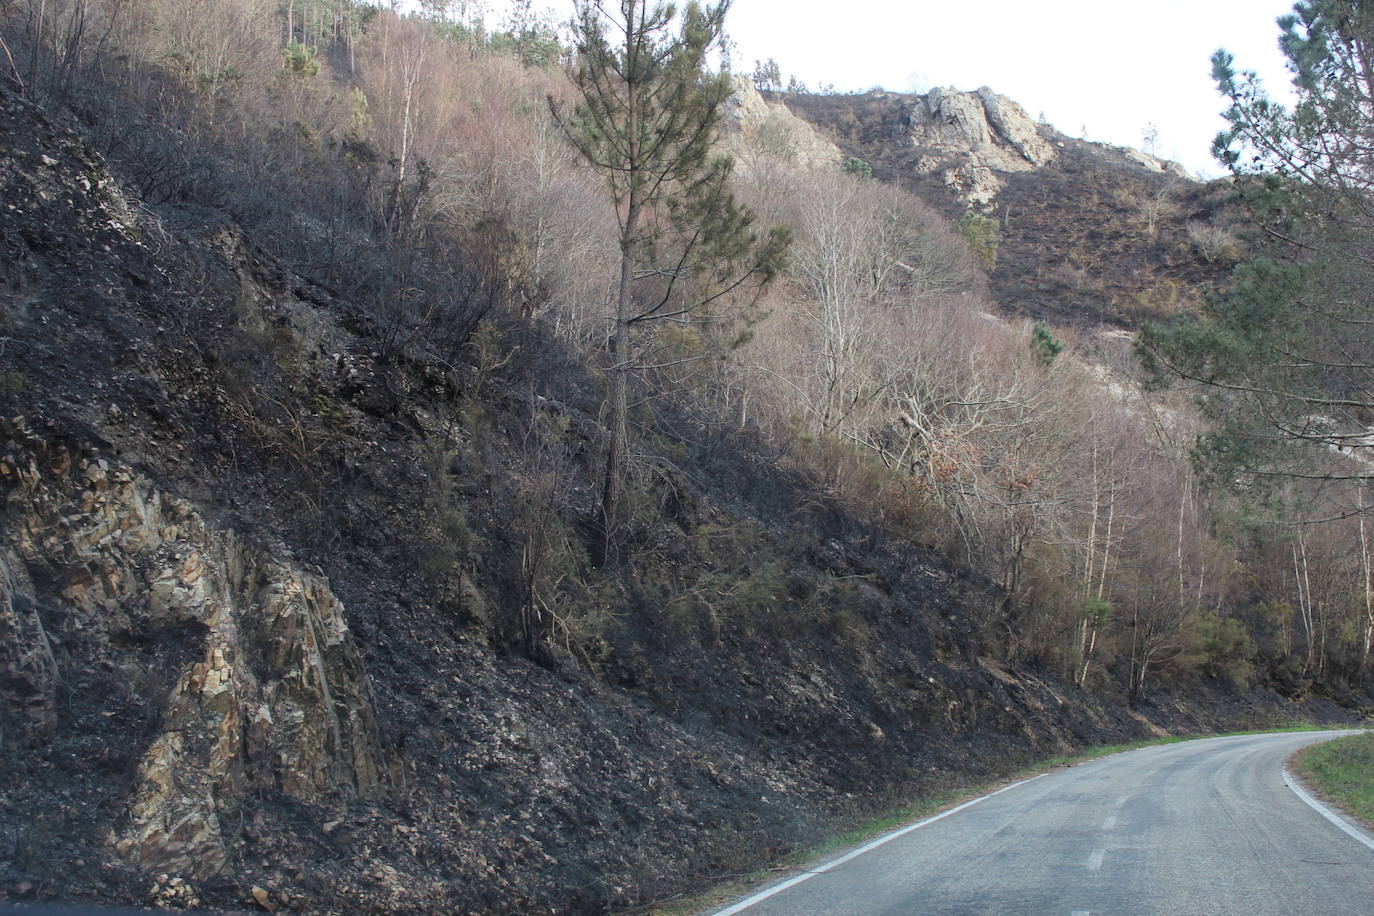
(1214, 243)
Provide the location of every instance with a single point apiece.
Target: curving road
(1202, 827)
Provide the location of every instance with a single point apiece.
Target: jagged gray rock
(1011, 125)
(754, 128)
(991, 131)
(968, 137)
(277, 698)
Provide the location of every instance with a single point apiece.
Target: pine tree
(1283, 363)
(767, 75)
(647, 120)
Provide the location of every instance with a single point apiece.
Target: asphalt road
(1202, 827)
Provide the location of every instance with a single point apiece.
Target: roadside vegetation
(1342, 772)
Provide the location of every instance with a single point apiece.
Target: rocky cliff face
(967, 138)
(970, 143)
(972, 140)
(754, 127)
(270, 695)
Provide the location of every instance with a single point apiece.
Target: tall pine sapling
(647, 120)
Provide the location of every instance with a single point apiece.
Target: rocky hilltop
(970, 140)
(754, 125)
(967, 138)
(1089, 232)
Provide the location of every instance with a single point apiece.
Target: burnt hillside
(310, 600)
(231, 656)
(1089, 238)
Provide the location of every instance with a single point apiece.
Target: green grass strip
(1342, 773)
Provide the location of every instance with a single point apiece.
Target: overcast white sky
(1104, 68)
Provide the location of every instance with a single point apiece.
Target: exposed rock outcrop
(277, 697)
(1154, 164)
(1011, 125)
(755, 128)
(968, 137)
(28, 705)
(973, 144)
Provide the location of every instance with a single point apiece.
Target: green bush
(983, 235)
(301, 60)
(1044, 346)
(1220, 647)
(856, 166)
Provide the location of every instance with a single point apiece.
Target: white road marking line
(887, 838)
(1095, 860)
(1081, 913)
(1109, 823)
(1324, 811)
(1121, 802)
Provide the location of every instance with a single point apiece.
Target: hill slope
(1090, 233)
(270, 578)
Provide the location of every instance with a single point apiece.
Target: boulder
(969, 137)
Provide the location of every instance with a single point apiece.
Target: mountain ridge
(1090, 234)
